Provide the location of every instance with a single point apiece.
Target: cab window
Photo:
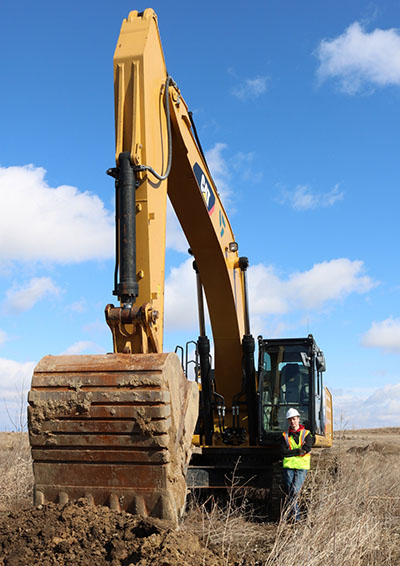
(284, 383)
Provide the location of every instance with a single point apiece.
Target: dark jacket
(308, 442)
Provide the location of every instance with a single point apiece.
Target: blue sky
(296, 105)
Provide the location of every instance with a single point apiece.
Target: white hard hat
(292, 413)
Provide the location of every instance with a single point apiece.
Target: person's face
(294, 422)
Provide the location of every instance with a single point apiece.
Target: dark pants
(294, 480)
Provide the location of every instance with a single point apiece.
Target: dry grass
(16, 477)
(351, 508)
(231, 530)
(351, 517)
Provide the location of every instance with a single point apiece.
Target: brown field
(351, 517)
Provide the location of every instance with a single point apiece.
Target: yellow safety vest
(297, 462)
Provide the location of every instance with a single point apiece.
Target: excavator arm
(157, 142)
(154, 132)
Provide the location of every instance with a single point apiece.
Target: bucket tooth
(38, 498)
(139, 506)
(114, 503)
(63, 497)
(89, 498)
(165, 508)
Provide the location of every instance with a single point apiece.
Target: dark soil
(81, 535)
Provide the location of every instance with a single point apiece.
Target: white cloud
(14, 375)
(52, 224)
(346, 404)
(358, 58)
(251, 88)
(267, 294)
(83, 346)
(384, 335)
(328, 281)
(384, 405)
(273, 327)
(358, 408)
(175, 238)
(270, 294)
(23, 298)
(303, 198)
(220, 171)
(181, 298)
(15, 380)
(310, 290)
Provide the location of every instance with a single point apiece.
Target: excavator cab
(290, 374)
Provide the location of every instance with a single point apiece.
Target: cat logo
(205, 188)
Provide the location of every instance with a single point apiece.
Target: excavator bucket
(115, 429)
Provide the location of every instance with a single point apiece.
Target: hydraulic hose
(162, 177)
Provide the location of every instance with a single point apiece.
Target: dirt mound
(379, 447)
(84, 535)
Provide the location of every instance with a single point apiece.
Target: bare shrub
(229, 529)
(15, 408)
(16, 475)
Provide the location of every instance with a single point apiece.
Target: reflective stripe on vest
(297, 462)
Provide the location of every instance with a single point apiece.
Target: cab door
(319, 396)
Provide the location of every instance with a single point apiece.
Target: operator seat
(291, 384)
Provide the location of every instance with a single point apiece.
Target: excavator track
(115, 429)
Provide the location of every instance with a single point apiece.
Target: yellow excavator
(129, 429)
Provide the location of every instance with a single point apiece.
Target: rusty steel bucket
(115, 429)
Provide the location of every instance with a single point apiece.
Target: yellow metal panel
(209, 233)
(140, 128)
(140, 75)
(327, 439)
